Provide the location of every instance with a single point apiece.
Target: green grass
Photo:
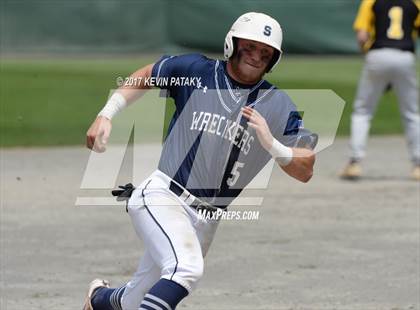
(52, 102)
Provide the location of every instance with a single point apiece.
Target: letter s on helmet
(257, 27)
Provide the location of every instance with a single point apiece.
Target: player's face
(251, 61)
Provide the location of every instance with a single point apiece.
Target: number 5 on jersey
(235, 173)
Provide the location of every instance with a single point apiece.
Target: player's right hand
(98, 134)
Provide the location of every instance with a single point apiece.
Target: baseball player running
(386, 30)
(225, 129)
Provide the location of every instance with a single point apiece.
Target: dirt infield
(328, 244)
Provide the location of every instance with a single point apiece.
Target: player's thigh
(404, 68)
(206, 230)
(406, 83)
(374, 78)
(166, 229)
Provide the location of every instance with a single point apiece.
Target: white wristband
(115, 104)
(281, 153)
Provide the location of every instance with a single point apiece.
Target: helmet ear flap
(274, 60)
(229, 46)
(235, 46)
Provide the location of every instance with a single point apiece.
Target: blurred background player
(386, 30)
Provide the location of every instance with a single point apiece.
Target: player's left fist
(258, 122)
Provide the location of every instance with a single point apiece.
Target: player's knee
(189, 271)
(197, 269)
(191, 268)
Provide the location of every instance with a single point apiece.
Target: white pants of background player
(382, 67)
(175, 237)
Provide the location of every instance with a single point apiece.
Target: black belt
(124, 193)
(197, 204)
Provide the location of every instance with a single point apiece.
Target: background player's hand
(363, 38)
(98, 134)
(258, 122)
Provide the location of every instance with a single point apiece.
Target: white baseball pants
(382, 67)
(175, 237)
